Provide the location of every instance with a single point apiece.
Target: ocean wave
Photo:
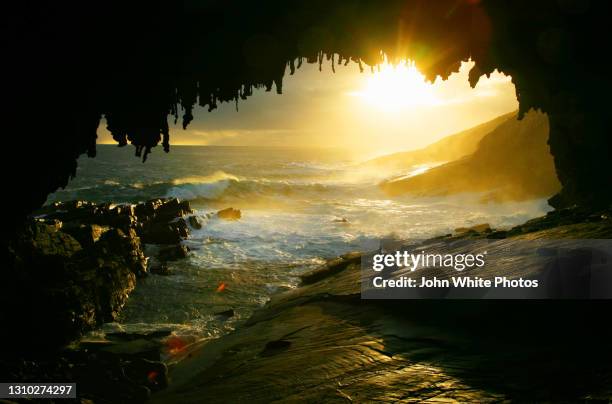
(208, 187)
(221, 185)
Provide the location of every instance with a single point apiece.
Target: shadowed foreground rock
(75, 264)
(322, 343)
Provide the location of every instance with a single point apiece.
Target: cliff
(449, 148)
(512, 162)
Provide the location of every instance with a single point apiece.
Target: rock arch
(140, 64)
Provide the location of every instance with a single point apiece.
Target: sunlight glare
(398, 87)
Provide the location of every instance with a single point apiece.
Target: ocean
(299, 207)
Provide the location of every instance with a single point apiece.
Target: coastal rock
(103, 277)
(46, 240)
(161, 221)
(75, 264)
(479, 228)
(146, 211)
(162, 233)
(331, 268)
(85, 234)
(351, 349)
(195, 222)
(82, 212)
(171, 209)
(127, 247)
(229, 214)
(68, 286)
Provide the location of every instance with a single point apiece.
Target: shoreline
(329, 344)
(326, 313)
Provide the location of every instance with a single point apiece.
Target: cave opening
(138, 83)
(342, 159)
(256, 203)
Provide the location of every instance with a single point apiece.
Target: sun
(397, 87)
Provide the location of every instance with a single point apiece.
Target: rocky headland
(511, 162)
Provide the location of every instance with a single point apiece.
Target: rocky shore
(73, 267)
(322, 343)
(76, 263)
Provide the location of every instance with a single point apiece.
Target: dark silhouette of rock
(195, 222)
(68, 288)
(85, 234)
(162, 233)
(161, 221)
(74, 267)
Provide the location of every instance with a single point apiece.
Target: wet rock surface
(322, 343)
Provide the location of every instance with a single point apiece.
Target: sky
(369, 114)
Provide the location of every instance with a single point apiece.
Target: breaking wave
(220, 186)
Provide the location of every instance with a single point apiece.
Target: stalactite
(145, 73)
(291, 66)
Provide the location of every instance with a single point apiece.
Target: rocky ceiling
(140, 64)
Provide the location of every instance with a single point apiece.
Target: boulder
(75, 264)
(127, 246)
(43, 239)
(146, 211)
(67, 287)
(85, 234)
(229, 214)
(194, 222)
(171, 209)
(162, 233)
(181, 225)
